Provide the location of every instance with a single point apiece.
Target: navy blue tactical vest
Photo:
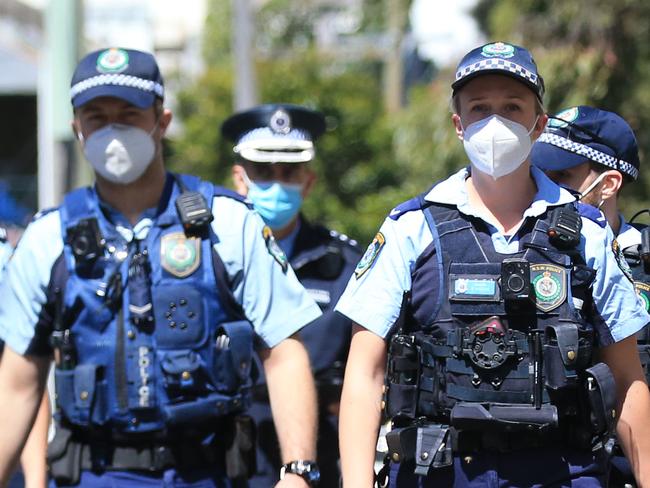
(190, 363)
(490, 339)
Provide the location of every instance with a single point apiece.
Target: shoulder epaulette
(42, 213)
(414, 203)
(220, 191)
(592, 213)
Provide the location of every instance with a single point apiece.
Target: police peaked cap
(127, 74)
(580, 134)
(275, 133)
(503, 59)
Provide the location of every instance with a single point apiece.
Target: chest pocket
(179, 314)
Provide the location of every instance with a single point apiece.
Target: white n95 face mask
(497, 146)
(120, 153)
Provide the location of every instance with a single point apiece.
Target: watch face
(313, 476)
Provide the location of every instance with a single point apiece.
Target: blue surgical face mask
(277, 203)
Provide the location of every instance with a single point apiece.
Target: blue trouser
(206, 478)
(621, 472)
(553, 467)
(268, 450)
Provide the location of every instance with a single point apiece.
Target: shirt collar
(452, 191)
(628, 235)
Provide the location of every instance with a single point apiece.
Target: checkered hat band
(589, 153)
(117, 80)
(492, 64)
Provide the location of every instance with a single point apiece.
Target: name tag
(482, 288)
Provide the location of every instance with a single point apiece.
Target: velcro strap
(477, 395)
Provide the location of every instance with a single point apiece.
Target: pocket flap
(85, 378)
(176, 362)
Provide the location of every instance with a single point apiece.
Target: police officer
(274, 145)
(492, 292)
(594, 152)
(150, 288)
(32, 459)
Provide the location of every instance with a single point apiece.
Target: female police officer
(492, 290)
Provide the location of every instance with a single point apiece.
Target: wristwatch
(307, 470)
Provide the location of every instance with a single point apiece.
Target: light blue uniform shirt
(374, 299)
(276, 303)
(628, 235)
(5, 253)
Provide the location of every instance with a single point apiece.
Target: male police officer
(594, 152)
(146, 287)
(493, 291)
(274, 144)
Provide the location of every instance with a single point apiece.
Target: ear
(238, 179)
(611, 184)
(310, 181)
(76, 130)
(540, 125)
(165, 120)
(458, 125)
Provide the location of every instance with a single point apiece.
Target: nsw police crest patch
(274, 249)
(370, 255)
(621, 261)
(643, 290)
(180, 255)
(550, 285)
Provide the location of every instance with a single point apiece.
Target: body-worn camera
(515, 281)
(86, 240)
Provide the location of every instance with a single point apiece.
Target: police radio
(515, 281)
(85, 240)
(192, 209)
(564, 228)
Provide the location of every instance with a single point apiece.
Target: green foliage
(361, 177)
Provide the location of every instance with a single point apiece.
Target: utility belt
(232, 448)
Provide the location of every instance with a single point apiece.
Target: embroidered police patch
(370, 255)
(549, 283)
(561, 120)
(643, 290)
(621, 261)
(274, 249)
(180, 255)
(498, 50)
(113, 61)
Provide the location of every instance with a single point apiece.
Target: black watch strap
(308, 470)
